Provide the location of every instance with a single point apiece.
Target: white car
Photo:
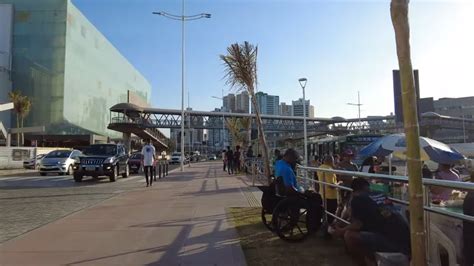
(176, 158)
(59, 162)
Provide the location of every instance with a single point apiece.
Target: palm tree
(22, 107)
(399, 14)
(246, 123)
(15, 97)
(25, 103)
(241, 71)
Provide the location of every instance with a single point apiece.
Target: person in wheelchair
(284, 170)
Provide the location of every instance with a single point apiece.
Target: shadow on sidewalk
(210, 248)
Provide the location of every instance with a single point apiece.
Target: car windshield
(136, 156)
(58, 154)
(107, 150)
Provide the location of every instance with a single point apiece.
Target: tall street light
(302, 82)
(183, 18)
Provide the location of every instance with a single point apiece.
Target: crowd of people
(375, 224)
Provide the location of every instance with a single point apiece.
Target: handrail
(395, 178)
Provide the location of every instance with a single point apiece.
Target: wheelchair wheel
(267, 219)
(290, 219)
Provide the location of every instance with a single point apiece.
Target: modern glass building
(71, 72)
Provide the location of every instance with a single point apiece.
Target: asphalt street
(28, 201)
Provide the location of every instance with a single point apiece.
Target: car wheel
(77, 178)
(127, 172)
(43, 174)
(113, 175)
(69, 170)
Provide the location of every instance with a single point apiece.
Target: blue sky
(341, 47)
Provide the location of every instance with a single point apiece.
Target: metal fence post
(160, 165)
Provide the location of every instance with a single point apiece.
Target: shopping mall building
(54, 55)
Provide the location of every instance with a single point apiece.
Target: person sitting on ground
(375, 226)
(328, 192)
(444, 173)
(284, 169)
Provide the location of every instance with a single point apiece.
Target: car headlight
(109, 160)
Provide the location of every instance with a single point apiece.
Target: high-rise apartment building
(285, 109)
(267, 104)
(242, 104)
(298, 108)
(229, 102)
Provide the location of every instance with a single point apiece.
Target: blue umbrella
(396, 143)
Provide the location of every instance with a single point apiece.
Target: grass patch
(262, 247)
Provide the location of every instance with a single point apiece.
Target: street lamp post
(183, 18)
(302, 82)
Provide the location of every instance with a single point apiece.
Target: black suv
(102, 160)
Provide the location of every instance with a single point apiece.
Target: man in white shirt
(148, 152)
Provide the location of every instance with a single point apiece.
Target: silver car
(33, 163)
(59, 162)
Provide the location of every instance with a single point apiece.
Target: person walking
(230, 160)
(237, 155)
(224, 159)
(148, 152)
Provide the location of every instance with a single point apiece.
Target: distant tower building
(267, 104)
(229, 102)
(242, 103)
(285, 109)
(397, 94)
(298, 108)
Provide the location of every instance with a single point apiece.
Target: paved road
(28, 201)
(181, 220)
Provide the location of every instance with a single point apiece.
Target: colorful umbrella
(396, 144)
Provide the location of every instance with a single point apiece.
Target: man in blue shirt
(284, 168)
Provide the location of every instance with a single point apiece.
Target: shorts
(376, 242)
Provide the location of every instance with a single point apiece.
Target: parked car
(176, 158)
(135, 162)
(32, 163)
(212, 157)
(59, 161)
(102, 160)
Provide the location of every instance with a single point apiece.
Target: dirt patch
(261, 247)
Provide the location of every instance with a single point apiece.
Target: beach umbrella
(396, 145)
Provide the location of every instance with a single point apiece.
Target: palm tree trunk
(18, 127)
(399, 14)
(262, 138)
(22, 134)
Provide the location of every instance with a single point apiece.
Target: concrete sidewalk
(181, 220)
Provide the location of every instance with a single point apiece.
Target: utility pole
(358, 104)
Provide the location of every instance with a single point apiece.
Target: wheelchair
(291, 215)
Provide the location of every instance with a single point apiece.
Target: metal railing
(465, 186)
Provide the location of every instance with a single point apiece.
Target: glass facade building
(70, 71)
